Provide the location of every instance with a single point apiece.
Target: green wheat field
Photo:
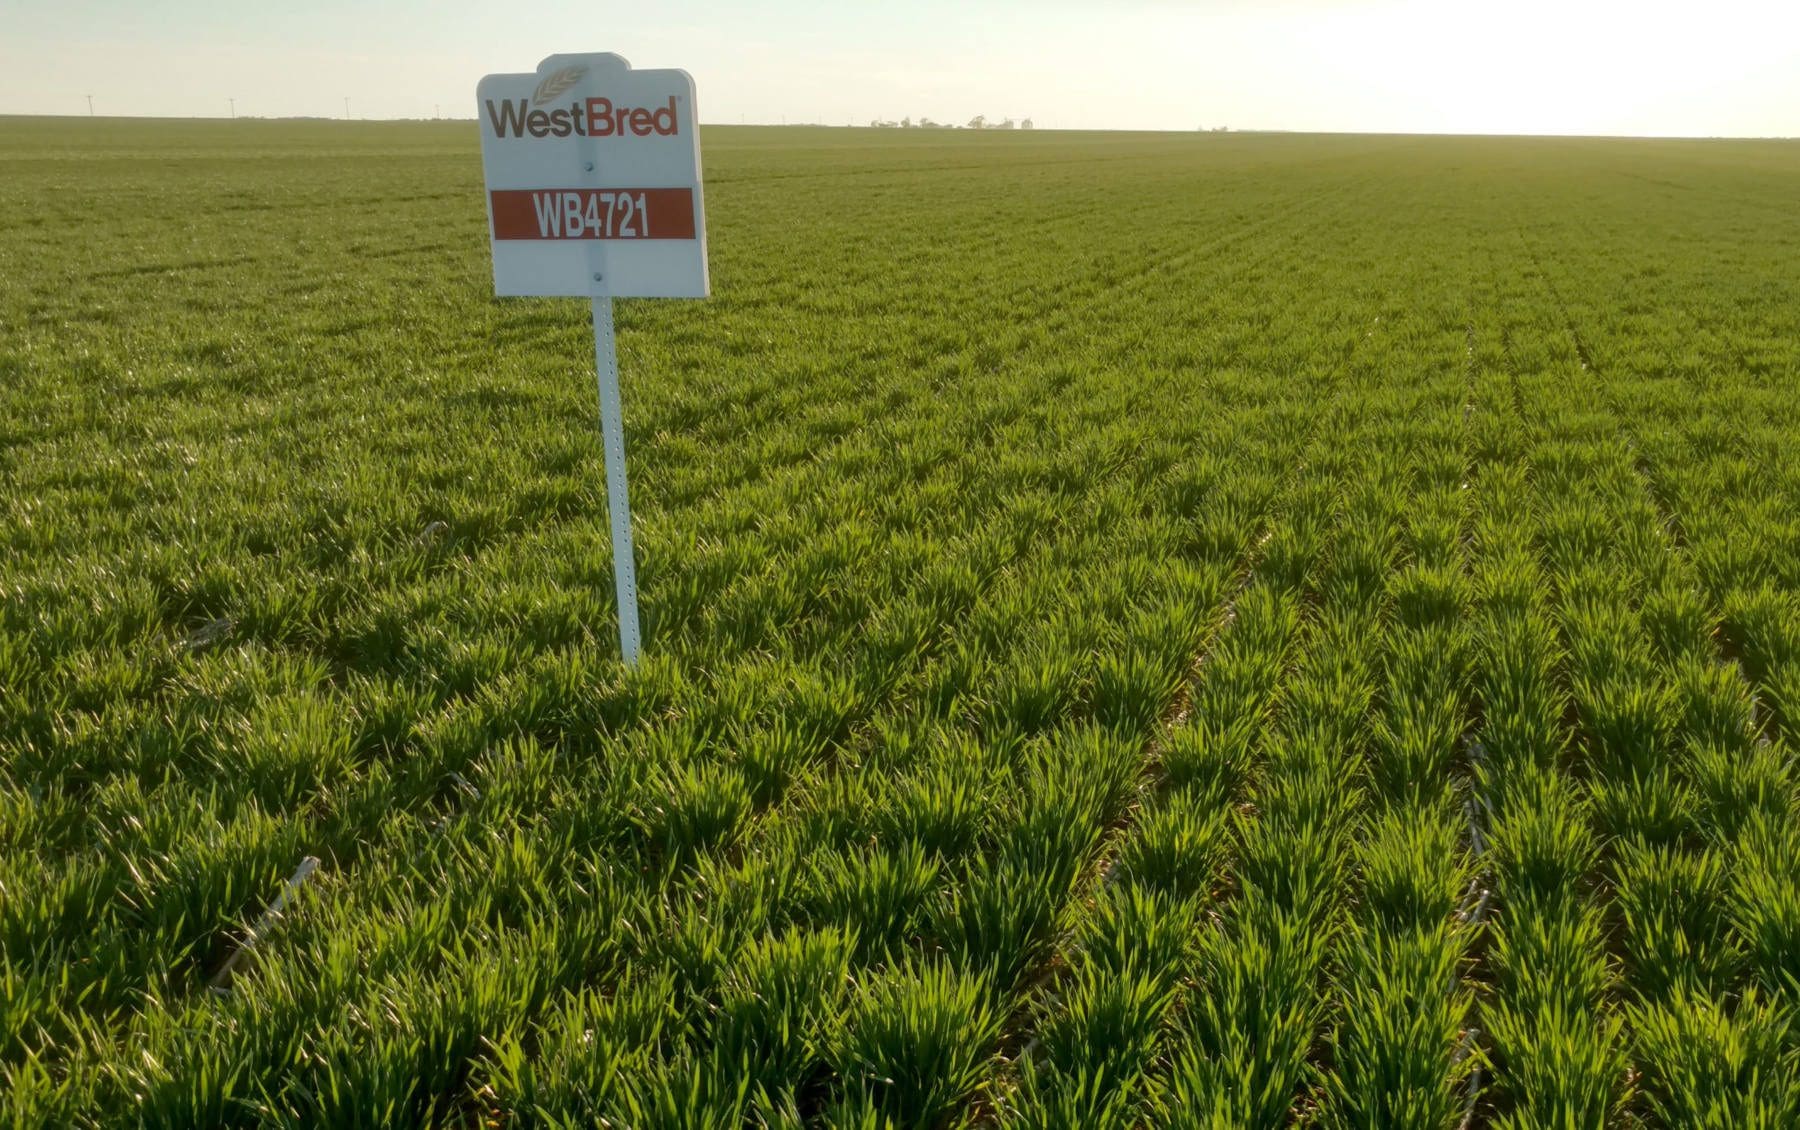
(1141, 631)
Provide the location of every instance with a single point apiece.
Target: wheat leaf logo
(555, 83)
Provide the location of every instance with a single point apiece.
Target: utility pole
(437, 111)
(90, 99)
(233, 102)
(346, 107)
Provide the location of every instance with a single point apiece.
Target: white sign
(593, 180)
(593, 191)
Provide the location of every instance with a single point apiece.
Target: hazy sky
(1527, 66)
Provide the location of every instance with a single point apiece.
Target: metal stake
(618, 505)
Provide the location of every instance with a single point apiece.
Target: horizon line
(950, 128)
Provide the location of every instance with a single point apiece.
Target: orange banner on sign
(593, 213)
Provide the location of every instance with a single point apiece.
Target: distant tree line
(979, 121)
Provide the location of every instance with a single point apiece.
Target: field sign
(593, 191)
(593, 180)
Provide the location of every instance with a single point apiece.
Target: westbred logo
(555, 83)
(588, 117)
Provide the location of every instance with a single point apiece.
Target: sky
(1634, 67)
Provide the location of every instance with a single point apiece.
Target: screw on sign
(593, 189)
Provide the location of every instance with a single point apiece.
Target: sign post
(593, 189)
(618, 501)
